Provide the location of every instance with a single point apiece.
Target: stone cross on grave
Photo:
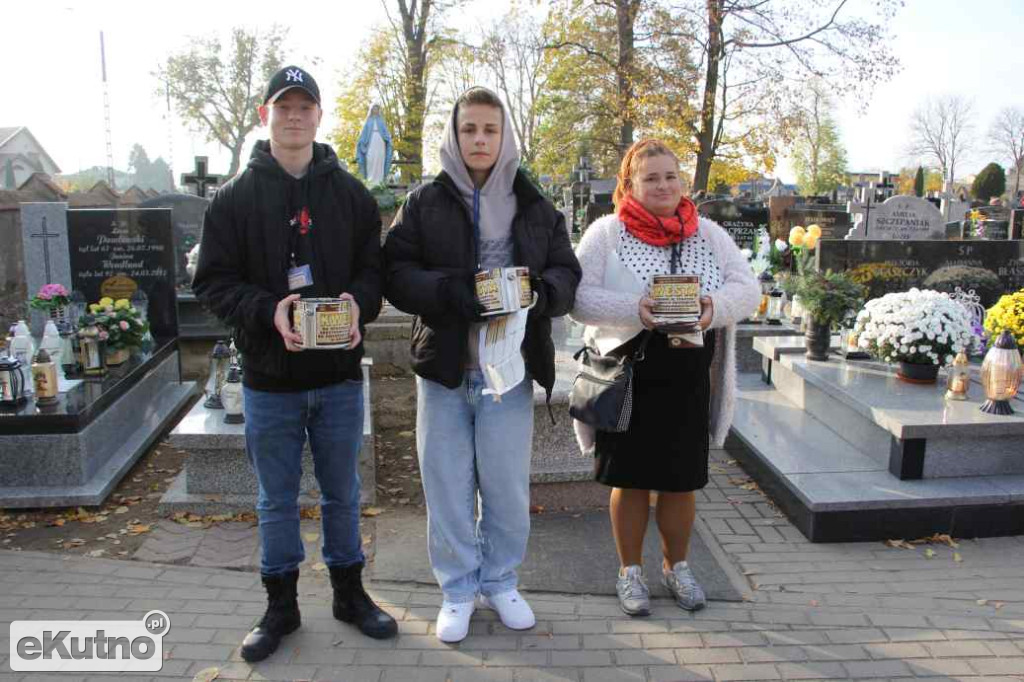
(200, 178)
(46, 237)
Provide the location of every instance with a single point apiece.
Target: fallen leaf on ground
(96, 553)
(320, 566)
(207, 675)
(121, 510)
(139, 529)
(929, 553)
(898, 544)
(373, 511)
(311, 537)
(981, 602)
(536, 509)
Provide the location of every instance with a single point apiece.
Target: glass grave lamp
(76, 307)
(92, 348)
(12, 384)
(959, 380)
(232, 397)
(767, 282)
(220, 361)
(68, 348)
(140, 302)
(1000, 374)
(775, 303)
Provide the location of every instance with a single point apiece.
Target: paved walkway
(860, 611)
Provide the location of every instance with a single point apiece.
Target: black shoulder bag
(602, 393)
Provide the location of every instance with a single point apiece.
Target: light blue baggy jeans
(472, 448)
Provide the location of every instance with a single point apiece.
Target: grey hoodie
(497, 203)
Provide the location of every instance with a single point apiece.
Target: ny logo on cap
(293, 75)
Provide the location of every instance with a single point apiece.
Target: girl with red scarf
(683, 396)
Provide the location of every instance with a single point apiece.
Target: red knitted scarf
(656, 231)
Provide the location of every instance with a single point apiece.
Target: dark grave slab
(1017, 224)
(991, 268)
(116, 251)
(834, 224)
(996, 229)
(741, 221)
(187, 211)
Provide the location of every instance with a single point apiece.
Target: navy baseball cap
(291, 77)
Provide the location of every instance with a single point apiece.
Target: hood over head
(499, 182)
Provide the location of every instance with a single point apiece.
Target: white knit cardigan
(611, 314)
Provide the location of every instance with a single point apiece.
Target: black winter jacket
(432, 239)
(244, 258)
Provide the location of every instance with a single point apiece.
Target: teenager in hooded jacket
(481, 212)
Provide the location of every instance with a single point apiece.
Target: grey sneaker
(684, 587)
(634, 597)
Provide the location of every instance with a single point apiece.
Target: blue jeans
(276, 428)
(471, 447)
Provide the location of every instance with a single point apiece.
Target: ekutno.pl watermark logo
(89, 645)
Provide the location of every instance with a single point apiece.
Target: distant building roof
(8, 134)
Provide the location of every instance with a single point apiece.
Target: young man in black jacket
(294, 224)
(480, 213)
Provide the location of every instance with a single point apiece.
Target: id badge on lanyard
(299, 277)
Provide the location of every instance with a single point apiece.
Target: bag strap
(641, 349)
(638, 353)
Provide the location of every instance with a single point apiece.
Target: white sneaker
(453, 621)
(513, 610)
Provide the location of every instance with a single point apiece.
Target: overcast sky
(51, 69)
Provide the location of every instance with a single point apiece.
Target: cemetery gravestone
(44, 239)
(187, 212)
(116, 251)
(899, 218)
(742, 222)
(989, 267)
(833, 224)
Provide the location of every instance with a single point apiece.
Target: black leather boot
(353, 605)
(282, 617)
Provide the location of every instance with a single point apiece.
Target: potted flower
(920, 330)
(827, 300)
(1007, 315)
(52, 298)
(123, 325)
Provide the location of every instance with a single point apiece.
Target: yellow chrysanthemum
(1007, 314)
(796, 236)
(122, 304)
(106, 301)
(814, 230)
(811, 241)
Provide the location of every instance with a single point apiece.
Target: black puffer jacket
(244, 259)
(432, 239)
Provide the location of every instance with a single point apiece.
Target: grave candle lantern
(959, 380)
(775, 303)
(220, 360)
(44, 378)
(93, 348)
(1000, 374)
(232, 397)
(12, 389)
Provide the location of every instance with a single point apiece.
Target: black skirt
(666, 445)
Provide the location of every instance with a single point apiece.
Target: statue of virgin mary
(373, 150)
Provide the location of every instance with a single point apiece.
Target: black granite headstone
(1017, 224)
(741, 221)
(187, 211)
(833, 224)
(116, 251)
(991, 268)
